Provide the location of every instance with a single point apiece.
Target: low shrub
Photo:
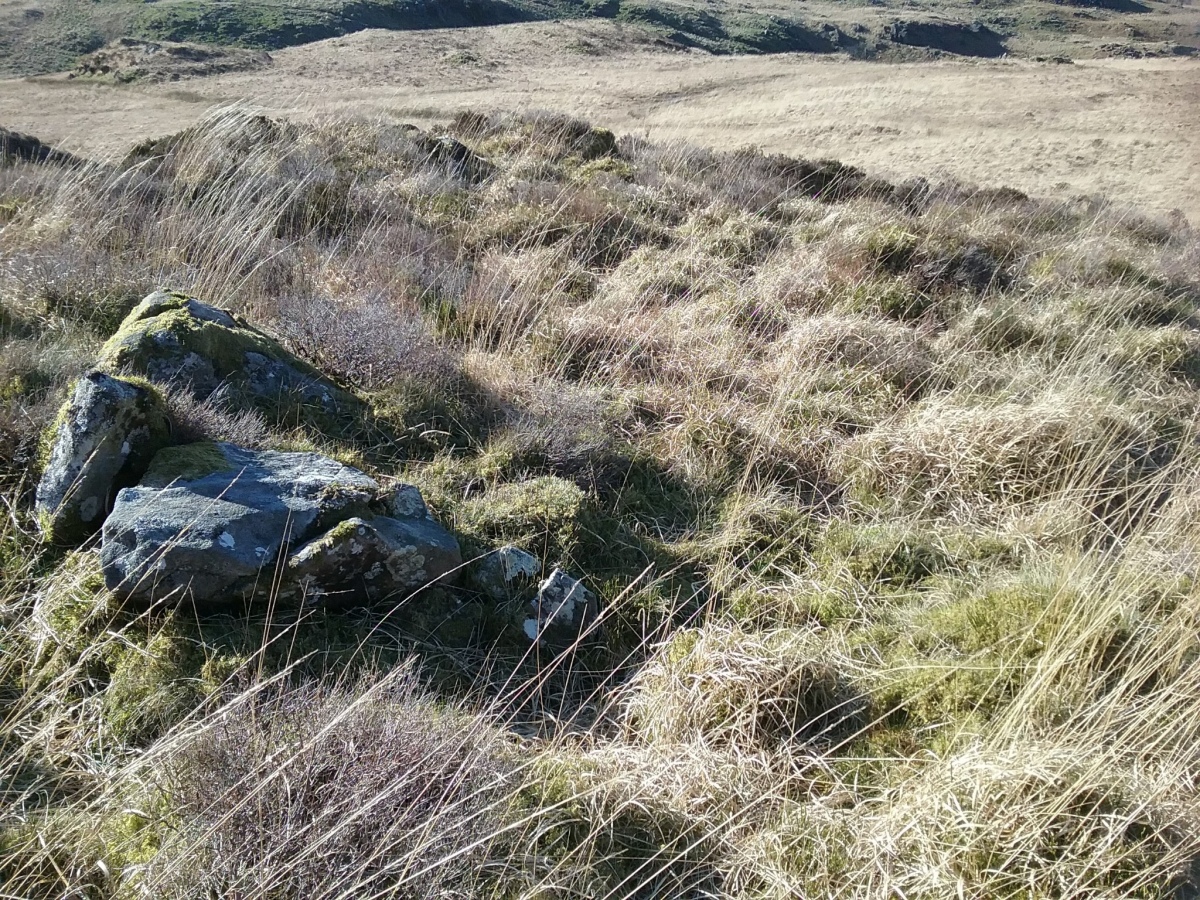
(309, 789)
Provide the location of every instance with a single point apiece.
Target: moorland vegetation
(888, 492)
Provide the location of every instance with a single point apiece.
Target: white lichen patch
(407, 565)
(89, 509)
(227, 540)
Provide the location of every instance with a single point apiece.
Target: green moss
(883, 556)
(962, 660)
(894, 298)
(77, 611)
(133, 835)
(610, 166)
(24, 386)
(50, 433)
(186, 463)
(152, 687)
(892, 248)
(541, 515)
(144, 339)
(9, 210)
(1009, 616)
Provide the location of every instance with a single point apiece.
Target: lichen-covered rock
(507, 573)
(562, 613)
(173, 338)
(404, 501)
(211, 520)
(369, 560)
(105, 438)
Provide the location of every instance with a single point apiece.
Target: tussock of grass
(725, 686)
(889, 491)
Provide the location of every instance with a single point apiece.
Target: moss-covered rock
(171, 338)
(103, 440)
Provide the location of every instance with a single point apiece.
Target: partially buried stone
(370, 560)
(506, 573)
(562, 613)
(106, 436)
(210, 520)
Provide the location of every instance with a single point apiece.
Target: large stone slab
(104, 440)
(210, 521)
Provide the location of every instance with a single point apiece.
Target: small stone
(506, 573)
(404, 501)
(564, 610)
(369, 560)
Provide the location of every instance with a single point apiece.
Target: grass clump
(728, 687)
(377, 784)
(542, 515)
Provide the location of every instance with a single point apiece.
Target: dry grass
(890, 494)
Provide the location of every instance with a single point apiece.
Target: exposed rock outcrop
(25, 147)
(974, 39)
(130, 59)
(456, 156)
(172, 338)
(219, 526)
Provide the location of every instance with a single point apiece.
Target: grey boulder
(506, 573)
(211, 520)
(108, 432)
(174, 339)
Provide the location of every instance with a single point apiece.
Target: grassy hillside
(49, 35)
(41, 36)
(889, 492)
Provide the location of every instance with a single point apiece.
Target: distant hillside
(48, 35)
(41, 36)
